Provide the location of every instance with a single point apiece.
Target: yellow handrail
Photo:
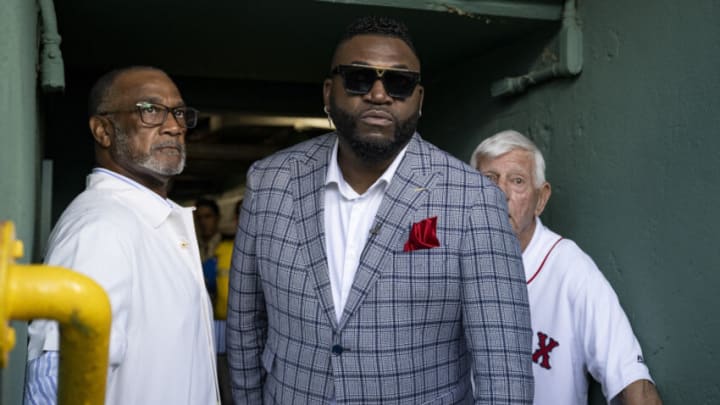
(80, 306)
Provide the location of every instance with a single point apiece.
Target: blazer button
(337, 350)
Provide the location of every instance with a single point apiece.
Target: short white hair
(507, 141)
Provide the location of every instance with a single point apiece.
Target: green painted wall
(633, 147)
(19, 150)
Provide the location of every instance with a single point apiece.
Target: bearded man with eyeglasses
(371, 267)
(140, 246)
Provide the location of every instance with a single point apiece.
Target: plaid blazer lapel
(308, 187)
(408, 189)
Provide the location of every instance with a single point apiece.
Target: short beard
(121, 152)
(371, 151)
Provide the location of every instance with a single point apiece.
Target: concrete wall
(633, 146)
(19, 151)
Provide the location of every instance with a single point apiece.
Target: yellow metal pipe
(81, 308)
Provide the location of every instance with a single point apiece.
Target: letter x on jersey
(543, 351)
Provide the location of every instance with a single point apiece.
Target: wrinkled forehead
(376, 50)
(146, 85)
(514, 159)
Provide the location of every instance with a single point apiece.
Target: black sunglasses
(359, 79)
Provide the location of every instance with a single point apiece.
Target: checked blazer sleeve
(246, 317)
(495, 305)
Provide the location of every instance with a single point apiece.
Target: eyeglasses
(154, 114)
(359, 79)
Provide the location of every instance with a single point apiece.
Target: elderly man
(578, 324)
(371, 267)
(140, 246)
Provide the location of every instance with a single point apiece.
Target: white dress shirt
(349, 216)
(142, 250)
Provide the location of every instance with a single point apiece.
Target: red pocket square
(422, 235)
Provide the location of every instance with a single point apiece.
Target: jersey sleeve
(612, 352)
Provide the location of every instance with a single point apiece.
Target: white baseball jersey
(578, 324)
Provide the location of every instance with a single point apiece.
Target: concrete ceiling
(261, 58)
(272, 40)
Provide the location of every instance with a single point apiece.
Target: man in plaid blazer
(370, 266)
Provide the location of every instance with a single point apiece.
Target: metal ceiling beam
(533, 10)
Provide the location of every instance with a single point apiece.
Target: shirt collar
(148, 204)
(334, 175)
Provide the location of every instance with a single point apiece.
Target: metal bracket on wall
(570, 58)
(52, 69)
(530, 9)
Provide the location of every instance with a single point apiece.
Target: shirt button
(337, 350)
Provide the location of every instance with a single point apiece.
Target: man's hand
(640, 392)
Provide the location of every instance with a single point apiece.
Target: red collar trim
(544, 260)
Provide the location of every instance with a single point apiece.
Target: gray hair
(507, 141)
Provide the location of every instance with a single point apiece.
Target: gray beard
(121, 153)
